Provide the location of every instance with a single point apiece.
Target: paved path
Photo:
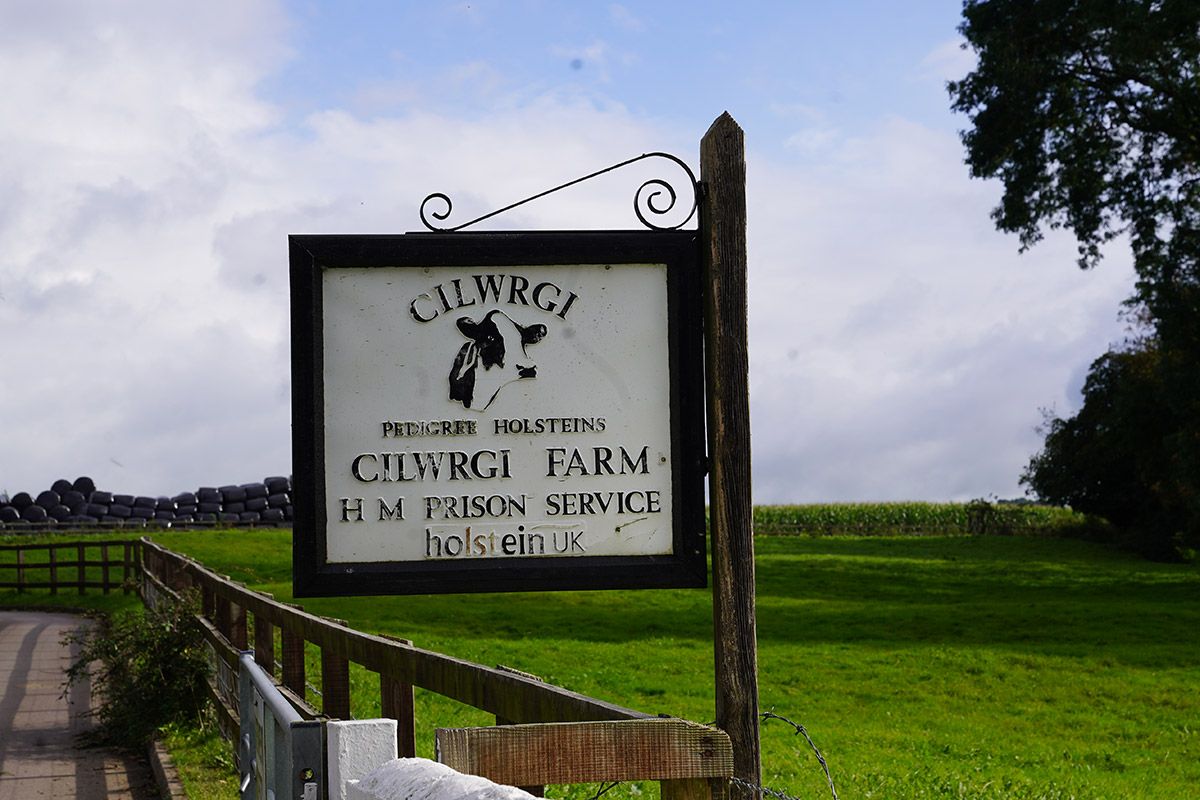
(38, 754)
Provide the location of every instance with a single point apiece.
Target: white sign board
(485, 416)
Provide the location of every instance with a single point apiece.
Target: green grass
(947, 667)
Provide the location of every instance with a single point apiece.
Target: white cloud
(949, 61)
(899, 347)
(622, 17)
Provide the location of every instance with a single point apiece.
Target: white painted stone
(355, 748)
(422, 779)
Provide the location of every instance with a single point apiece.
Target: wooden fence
(235, 619)
(548, 734)
(86, 565)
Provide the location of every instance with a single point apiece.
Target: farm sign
(497, 412)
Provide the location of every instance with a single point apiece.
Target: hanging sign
(497, 412)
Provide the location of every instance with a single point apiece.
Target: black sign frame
(686, 566)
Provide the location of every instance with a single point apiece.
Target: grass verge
(958, 667)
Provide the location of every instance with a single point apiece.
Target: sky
(154, 157)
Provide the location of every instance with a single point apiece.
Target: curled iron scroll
(648, 201)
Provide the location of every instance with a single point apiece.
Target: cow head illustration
(493, 357)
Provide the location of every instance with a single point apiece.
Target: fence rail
(56, 572)
(236, 619)
(231, 614)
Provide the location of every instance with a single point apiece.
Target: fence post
(723, 237)
(79, 550)
(20, 571)
(396, 702)
(264, 644)
(126, 566)
(104, 568)
(292, 644)
(53, 569)
(335, 684)
(237, 626)
(224, 616)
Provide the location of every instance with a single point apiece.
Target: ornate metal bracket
(648, 195)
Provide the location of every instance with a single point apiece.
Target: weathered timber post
(723, 244)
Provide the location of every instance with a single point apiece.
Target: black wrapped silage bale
(84, 485)
(119, 510)
(21, 501)
(34, 513)
(48, 499)
(62, 486)
(103, 498)
(207, 494)
(232, 494)
(277, 484)
(74, 500)
(254, 490)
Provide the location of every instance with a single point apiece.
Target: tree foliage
(1088, 111)
(1115, 457)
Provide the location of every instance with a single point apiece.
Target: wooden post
(237, 626)
(53, 569)
(335, 684)
(292, 645)
(104, 568)
(82, 569)
(126, 567)
(20, 571)
(224, 615)
(396, 702)
(723, 243)
(264, 643)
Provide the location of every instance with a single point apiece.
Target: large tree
(1088, 111)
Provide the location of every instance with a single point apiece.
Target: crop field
(897, 519)
(923, 667)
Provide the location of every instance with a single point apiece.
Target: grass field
(947, 667)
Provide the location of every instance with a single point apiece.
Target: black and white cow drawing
(494, 357)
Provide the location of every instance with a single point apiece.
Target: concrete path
(39, 757)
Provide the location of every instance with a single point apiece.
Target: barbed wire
(801, 731)
(605, 789)
(761, 791)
